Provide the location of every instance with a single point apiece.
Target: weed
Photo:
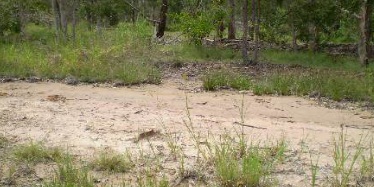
(3, 141)
(344, 161)
(10, 176)
(70, 175)
(367, 165)
(36, 152)
(108, 161)
(313, 169)
(152, 181)
(233, 168)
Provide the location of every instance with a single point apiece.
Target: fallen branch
(251, 126)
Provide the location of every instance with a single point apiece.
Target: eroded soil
(87, 119)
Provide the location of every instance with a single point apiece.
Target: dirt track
(87, 118)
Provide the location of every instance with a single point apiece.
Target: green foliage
(224, 79)
(69, 175)
(195, 27)
(35, 152)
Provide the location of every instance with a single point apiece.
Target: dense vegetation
(111, 40)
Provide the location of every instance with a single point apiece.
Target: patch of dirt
(93, 118)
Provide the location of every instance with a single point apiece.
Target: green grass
(332, 84)
(35, 152)
(69, 175)
(367, 163)
(345, 160)
(112, 162)
(226, 79)
(118, 54)
(313, 60)
(245, 164)
(189, 52)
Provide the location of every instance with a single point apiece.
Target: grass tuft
(250, 167)
(112, 162)
(36, 152)
(3, 141)
(69, 175)
(344, 160)
(225, 79)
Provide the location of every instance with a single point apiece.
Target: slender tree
(256, 26)
(246, 60)
(231, 27)
(365, 32)
(163, 18)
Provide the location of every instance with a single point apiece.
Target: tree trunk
(63, 19)
(315, 38)
(253, 19)
(256, 33)
(163, 18)
(231, 28)
(134, 12)
(220, 29)
(294, 38)
(56, 11)
(246, 60)
(365, 33)
(74, 24)
(22, 17)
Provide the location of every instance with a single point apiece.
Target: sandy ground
(88, 118)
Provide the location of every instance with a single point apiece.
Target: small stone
(315, 94)
(33, 79)
(118, 83)
(71, 80)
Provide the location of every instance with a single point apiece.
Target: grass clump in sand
(112, 162)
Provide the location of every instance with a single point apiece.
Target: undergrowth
(122, 54)
(36, 152)
(69, 175)
(313, 60)
(335, 85)
(226, 79)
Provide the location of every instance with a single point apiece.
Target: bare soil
(87, 119)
